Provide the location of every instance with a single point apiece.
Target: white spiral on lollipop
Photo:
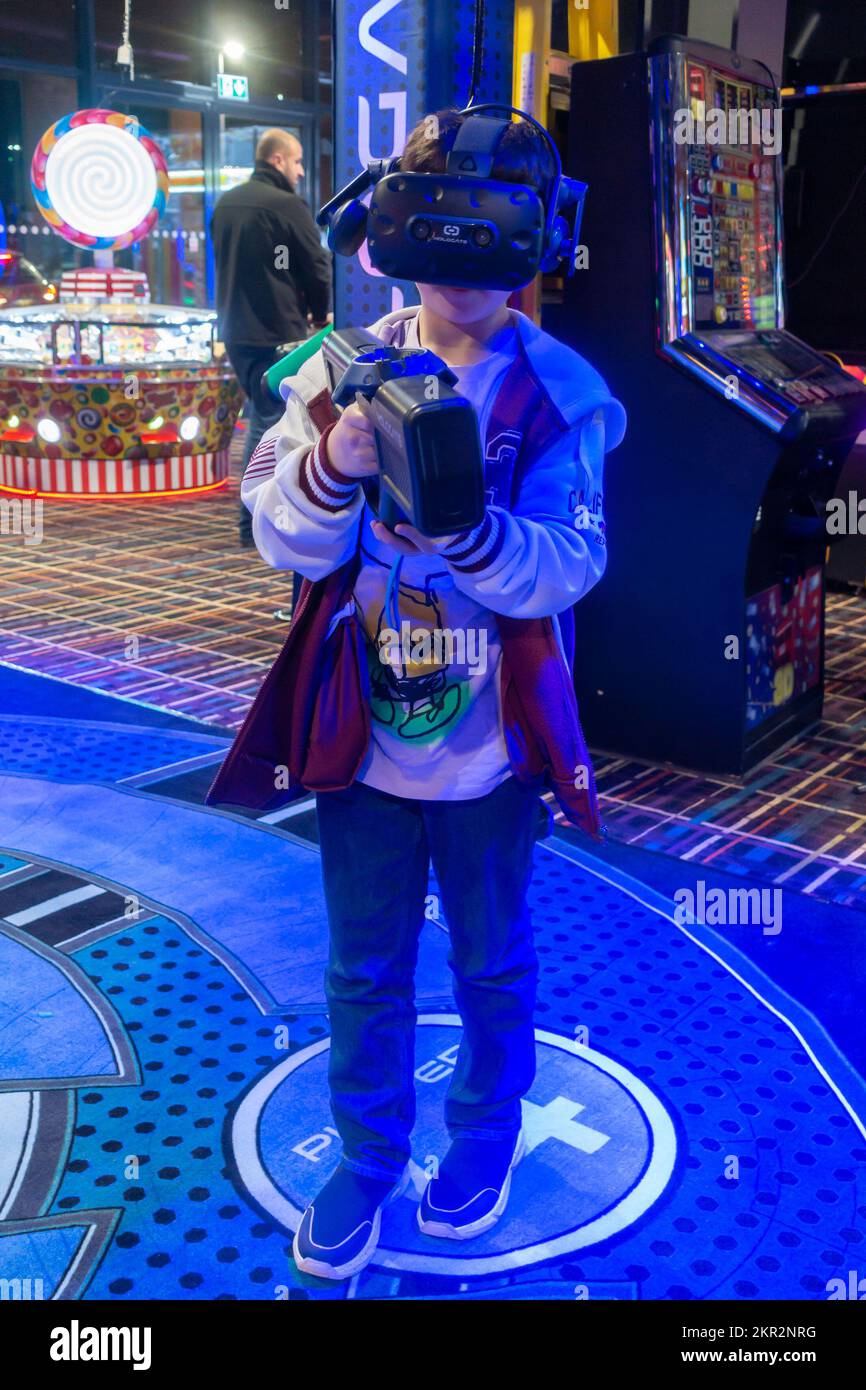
(101, 180)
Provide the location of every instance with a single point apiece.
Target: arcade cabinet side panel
(610, 305)
(680, 491)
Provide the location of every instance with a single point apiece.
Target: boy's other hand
(351, 446)
(408, 540)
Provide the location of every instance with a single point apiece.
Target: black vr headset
(462, 227)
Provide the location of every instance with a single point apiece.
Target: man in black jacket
(273, 276)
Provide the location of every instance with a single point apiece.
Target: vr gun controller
(431, 470)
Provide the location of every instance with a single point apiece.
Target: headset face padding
(348, 228)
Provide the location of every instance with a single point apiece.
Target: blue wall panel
(395, 60)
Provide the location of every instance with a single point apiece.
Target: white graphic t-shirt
(433, 652)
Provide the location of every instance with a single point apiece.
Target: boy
(425, 752)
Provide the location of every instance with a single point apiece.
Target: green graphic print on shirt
(416, 691)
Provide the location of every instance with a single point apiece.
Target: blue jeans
(376, 850)
(259, 420)
(250, 363)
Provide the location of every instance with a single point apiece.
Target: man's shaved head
(276, 141)
(284, 151)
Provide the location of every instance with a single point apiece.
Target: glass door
(174, 255)
(30, 103)
(238, 140)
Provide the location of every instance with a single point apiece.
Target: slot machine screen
(731, 193)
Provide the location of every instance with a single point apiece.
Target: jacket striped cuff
(323, 484)
(479, 548)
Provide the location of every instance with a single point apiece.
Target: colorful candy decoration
(108, 446)
(99, 179)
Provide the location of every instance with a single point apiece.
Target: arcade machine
(703, 644)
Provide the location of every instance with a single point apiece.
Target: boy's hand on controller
(351, 445)
(408, 540)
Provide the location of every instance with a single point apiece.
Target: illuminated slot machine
(703, 645)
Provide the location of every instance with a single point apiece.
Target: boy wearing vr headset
(421, 753)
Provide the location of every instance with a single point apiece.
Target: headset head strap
(475, 146)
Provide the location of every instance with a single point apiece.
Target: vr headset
(462, 227)
(431, 471)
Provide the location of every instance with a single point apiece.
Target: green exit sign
(234, 88)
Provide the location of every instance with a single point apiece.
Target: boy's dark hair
(522, 157)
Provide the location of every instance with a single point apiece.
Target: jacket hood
(573, 384)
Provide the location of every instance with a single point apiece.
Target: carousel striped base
(107, 478)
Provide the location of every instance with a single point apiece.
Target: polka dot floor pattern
(740, 1086)
(67, 753)
(693, 1131)
(184, 1232)
(735, 1081)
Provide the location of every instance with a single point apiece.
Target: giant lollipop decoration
(99, 179)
